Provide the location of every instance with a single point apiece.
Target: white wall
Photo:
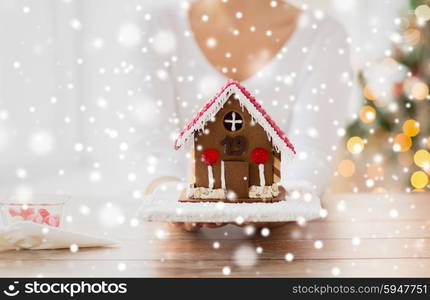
(37, 53)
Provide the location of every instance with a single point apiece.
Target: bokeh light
(144, 111)
(346, 168)
(422, 159)
(402, 143)
(41, 142)
(129, 35)
(419, 179)
(164, 42)
(111, 215)
(420, 90)
(245, 256)
(412, 36)
(423, 12)
(411, 128)
(367, 114)
(355, 145)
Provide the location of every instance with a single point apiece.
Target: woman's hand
(152, 186)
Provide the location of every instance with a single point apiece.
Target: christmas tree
(395, 115)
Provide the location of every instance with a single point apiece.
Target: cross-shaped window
(233, 121)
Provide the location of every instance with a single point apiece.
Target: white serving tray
(163, 206)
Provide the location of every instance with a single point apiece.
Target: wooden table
(363, 235)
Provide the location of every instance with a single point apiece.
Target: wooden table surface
(363, 235)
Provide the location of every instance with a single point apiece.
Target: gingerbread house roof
(279, 140)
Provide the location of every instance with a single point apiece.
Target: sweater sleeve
(159, 121)
(321, 109)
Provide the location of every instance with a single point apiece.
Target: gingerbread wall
(215, 132)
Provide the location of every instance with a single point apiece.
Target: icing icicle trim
(274, 133)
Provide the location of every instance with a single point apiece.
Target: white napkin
(29, 235)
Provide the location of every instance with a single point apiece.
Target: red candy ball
(210, 156)
(15, 212)
(26, 213)
(43, 212)
(53, 221)
(259, 155)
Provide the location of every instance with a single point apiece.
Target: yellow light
(423, 12)
(411, 128)
(346, 168)
(422, 159)
(402, 143)
(367, 114)
(419, 179)
(355, 145)
(420, 90)
(368, 94)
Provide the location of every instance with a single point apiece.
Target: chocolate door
(237, 178)
(232, 144)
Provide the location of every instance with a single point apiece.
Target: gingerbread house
(237, 150)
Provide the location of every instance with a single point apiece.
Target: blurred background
(71, 110)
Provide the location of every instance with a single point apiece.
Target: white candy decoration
(261, 174)
(211, 177)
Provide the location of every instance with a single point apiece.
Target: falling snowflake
(289, 257)
(335, 271)
(245, 256)
(110, 215)
(75, 24)
(226, 271)
(164, 42)
(21, 173)
(239, 220)
(121, 266)
(129, 35)
(265, 232)
(74, 248)
(318, 244)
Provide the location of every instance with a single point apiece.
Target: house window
(233, 121)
